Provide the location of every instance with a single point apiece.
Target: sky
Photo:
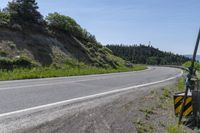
(170, 25)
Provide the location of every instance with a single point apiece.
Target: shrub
(4, 18)
(60, 22)
(17, 27)
(6, 64)
(188, 64)
(22, 62)
(9, 64)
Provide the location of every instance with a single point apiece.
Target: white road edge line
(88, 97)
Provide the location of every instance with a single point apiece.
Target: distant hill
(147, 55)
(190, 56)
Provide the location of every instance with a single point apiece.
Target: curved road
(27, 94)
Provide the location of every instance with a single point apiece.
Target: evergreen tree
(24, 11)
(147, 55)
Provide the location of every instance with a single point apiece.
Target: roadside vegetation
(188, 64)
(157, 112)
(69, 68)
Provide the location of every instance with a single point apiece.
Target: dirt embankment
(147, 109)
(48, 48)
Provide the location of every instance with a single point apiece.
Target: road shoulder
(130, 111)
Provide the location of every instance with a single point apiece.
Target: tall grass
(61, 71)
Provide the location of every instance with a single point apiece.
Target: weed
(180, 84)
(140, 126)
(176, 129)
(147, 112)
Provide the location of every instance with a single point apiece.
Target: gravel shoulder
(147, 109)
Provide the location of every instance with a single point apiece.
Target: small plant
(176, 129)
(180, 84)
(147, 112)
(166, 92)
(140, 126)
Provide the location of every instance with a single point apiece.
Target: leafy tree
(22, 11)
(60, 22)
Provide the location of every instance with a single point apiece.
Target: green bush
(9, 64)
(22, 63)
(60, 22)
(6, 64)
(188, 64)
(4, 19)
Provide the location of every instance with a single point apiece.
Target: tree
(60, 22)
(4, 18)
(147, 55)
(24, 11)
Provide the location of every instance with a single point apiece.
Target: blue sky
(170, 25)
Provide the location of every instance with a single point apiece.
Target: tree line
(142, 54)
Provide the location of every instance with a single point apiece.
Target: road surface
(28, 94)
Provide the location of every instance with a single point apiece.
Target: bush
(4, 19)
(17, 27)
(60, 22)
(6, 64)
(188, 64)
(22, 62)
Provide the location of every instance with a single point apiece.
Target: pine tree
(24, 11)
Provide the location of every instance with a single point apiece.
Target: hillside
(33, 46)
(147, 55)
(47, 49)
(24, 33)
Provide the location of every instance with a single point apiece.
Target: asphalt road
(24, 94)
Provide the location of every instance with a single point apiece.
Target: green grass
(180, 84)
(61, 71)
(176, 129)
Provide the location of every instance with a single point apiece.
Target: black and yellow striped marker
(178, 102)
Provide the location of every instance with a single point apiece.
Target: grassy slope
(65, 70)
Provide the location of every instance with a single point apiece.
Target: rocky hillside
(47, 49)
(25, 33)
